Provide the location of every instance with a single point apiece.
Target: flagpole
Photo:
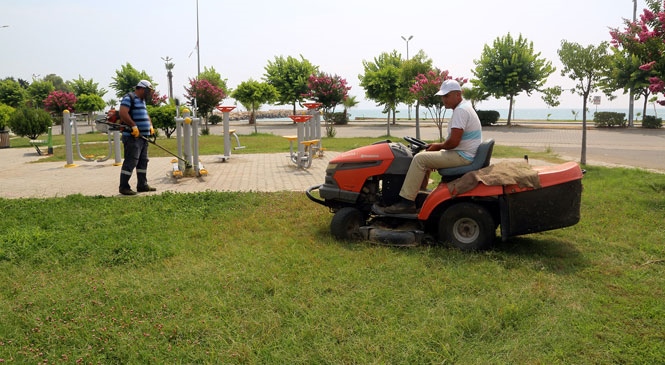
(198, 54)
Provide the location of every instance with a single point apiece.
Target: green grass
(220, 277)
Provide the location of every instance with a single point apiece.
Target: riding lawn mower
(358, 183)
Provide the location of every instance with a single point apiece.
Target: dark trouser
(136, 157)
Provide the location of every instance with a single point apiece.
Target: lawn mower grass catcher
(361, 181)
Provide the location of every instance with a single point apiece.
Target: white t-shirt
(464, 117)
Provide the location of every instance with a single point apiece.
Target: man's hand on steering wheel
(416, 145)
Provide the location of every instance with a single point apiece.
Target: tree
(30, 122)
(6, 112)
(81, 86)
(474, 95)
(252, 94)
(89, 103)
(418, 64)
(329, 90)
(637, 62)
(551, 97)
(58, 82)
(382, 81)
(163, 117)
(424, 90)
(349, 102)
(11, 93)
(509, 68)
(59, 101)
(207, 95)
(127, 78)
(214, 78)
(584, 65)
(289, 76)
(38, 91)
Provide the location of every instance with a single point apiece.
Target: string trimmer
(152, 140)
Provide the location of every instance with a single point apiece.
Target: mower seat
(482, 159)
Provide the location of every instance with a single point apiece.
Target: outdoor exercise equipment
(48, 143)
(305, 147)
(228, 132)
(313, 126)
(69, 124)
(187, 137)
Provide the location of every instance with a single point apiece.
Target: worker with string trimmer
(134, 115)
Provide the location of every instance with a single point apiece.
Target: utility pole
(631, 102)
(198, 54)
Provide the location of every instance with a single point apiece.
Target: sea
(518, 114)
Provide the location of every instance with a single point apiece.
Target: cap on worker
(144, 84)
(448, 86)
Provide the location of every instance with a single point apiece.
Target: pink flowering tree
(329, 90)
(424, 89)
(57, 102)
(207, 96)
(644, 40)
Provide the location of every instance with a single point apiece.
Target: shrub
(163, 117)
(337, 118)
(488, 117)
(6, 112)
(651, 121)
(30, 122)
(215, 119)
(609, 119)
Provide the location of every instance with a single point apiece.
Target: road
(634, 147)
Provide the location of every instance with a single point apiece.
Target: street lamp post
(169, 74)
(407, 45)
(407, 58)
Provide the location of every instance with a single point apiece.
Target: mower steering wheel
(416, 144)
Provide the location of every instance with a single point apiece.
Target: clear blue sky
(95, 38)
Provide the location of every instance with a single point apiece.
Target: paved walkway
(242, 172)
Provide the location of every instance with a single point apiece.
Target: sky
(93, 38)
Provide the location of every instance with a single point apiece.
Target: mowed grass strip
(219, 277)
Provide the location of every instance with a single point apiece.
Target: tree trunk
(417, 119)
(510, 110)
(583, 155)
(388, 124)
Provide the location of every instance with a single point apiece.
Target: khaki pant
(422, 163)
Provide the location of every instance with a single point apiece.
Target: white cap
(144, 84)
(448, 86)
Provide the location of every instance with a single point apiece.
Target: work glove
(152, 131)
(135, 132)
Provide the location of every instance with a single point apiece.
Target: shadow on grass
(553, 254)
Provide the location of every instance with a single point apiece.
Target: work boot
(127, 191)
(403, 207)
(146, 188)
